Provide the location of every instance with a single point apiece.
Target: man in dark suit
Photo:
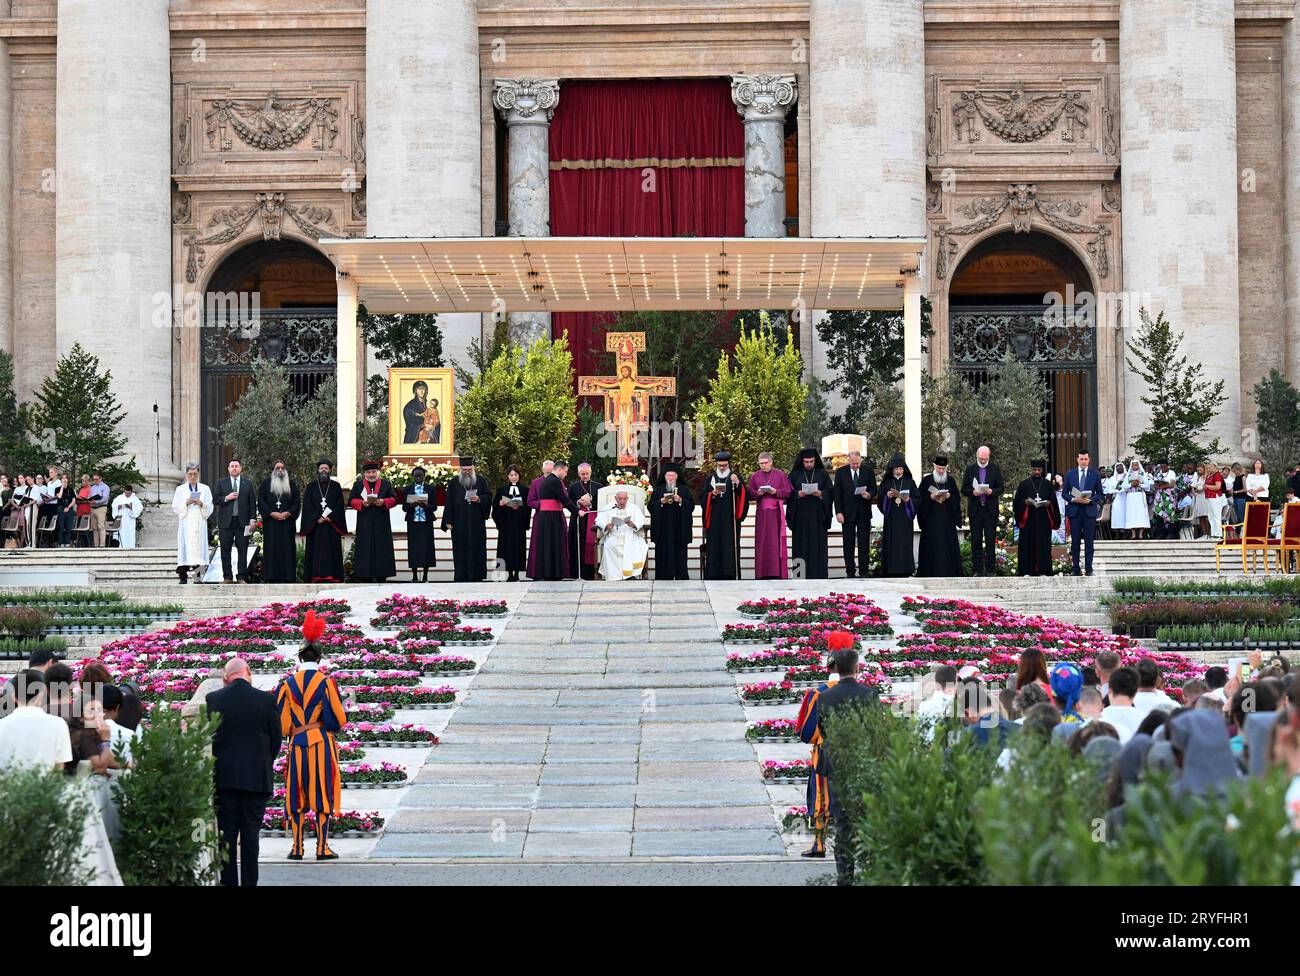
(246, 742)
(982, 512)
(846, 694)
(236, 503)
(855, 494)
(1082, 515)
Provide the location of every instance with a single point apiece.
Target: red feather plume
(313, 627)
(839, 640)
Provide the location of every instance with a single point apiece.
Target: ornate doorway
(272, 301)
(999, 303)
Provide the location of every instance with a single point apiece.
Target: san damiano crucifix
(627, 395)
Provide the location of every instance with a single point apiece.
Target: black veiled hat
(1038, 463)
(941, 460)
(722, 456)
(466, 461)
(325, 461)
(669, 466)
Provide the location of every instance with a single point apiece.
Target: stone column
(1291, 194)
(1178, 108)
(867, 121)
(348, 380)
(113, 206)
(424, 131)
(527, 105)
(867, 75)
(762, 101)
(6, 198)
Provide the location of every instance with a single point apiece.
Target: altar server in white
(1132, 497)
(623, 550)
(126, 509)
(192, 504)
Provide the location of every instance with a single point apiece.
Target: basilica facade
(169, 167)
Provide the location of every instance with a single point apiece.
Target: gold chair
(1253, 538)
(1289, 543)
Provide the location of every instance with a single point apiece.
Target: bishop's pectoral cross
(627, 395)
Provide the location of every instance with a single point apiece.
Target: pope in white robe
(623, 549)
(192, 504)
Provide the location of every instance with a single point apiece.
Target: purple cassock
(770, 560)
(534, 502)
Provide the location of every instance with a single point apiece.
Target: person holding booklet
(770, 489)
(324, 524)
(981, 485)
(938, 510)
(809, 513)
(1037, 516)
(898, 508)
(512, 515)
(1082, 489)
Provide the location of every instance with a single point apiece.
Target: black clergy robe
(512, 527)
(1036, 526)
(581, 526)
(419, 530)
(468, 523)
(671, 531)
(723, 515)
(279, 535)
(940, 550)
(551, 530)
(372, 556)
(324, 556)
(896, 536)
(809, 519)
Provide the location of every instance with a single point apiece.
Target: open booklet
(936, 491)
(1037, 502)
(1080, 496)
(807, 488)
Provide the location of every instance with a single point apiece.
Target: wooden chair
(1289, 543)
(1253, 538)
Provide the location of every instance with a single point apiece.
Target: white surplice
(192, 530)
(623, 550)
(127, 510)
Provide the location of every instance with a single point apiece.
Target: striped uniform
(819, 787)
(311, 711)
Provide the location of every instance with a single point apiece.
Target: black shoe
(1076, 573)
(331, 856)
(813, 852)
(1088, 573)
(295, 857)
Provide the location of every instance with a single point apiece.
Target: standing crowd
(47, 511)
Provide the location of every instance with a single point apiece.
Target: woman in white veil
(1133, 498)
(1113, 488)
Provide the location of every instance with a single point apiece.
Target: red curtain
(604, 136)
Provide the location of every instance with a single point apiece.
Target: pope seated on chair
(623, 548)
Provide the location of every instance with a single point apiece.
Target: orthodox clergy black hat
(669, 466)
(941, 460)
(1038, 463)
(808, 452)
(325, 461)
(370, 466)
(466, 461)
(722, 456)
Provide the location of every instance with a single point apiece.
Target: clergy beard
(941, 479)
(466, 480)
(280, 484)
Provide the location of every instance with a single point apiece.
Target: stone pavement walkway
(603, 724)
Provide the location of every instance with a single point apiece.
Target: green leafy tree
(43, 823)
(1182, 402)
(1006, 412)
(756, 404)
(17, 453)
(75, 417)
(482, 355)
(863, 347)
(1277, 419)
(269, 423)
(520, 410)
(165, 804)
(400, 340)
